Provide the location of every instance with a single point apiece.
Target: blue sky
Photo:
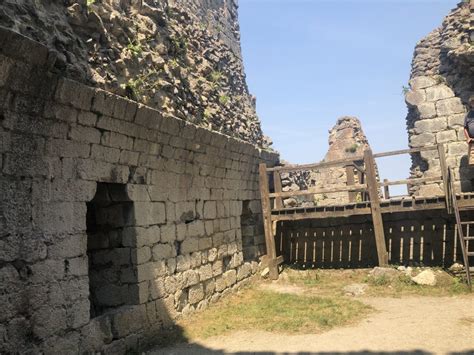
(312, 61)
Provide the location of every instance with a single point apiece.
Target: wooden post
(267, 222)
(444, 173)
(277, 185)
(351, 181)
(386, 191)
(372, 187)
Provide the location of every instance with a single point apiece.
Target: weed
(207, 113)
(405, 90)
(440, 79)
(179, 45)
(224, 99)
(174, 63)
(378, 280)
(215, 76)
(134, 47)
(90, 2)
(352, 148)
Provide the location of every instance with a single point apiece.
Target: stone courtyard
(123, 206)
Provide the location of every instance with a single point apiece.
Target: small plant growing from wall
(405, 90)
(224, 99)
(352, 148)
(134, 47)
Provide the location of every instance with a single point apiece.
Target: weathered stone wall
(346, 140)
(442, 80)
(179, 56)
(114, 218)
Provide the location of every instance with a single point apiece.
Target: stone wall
(442, 80)
(346, 140)
(179, 56)
(115, 218)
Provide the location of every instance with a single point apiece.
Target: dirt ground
(414, 325)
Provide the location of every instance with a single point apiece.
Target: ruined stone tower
(441, 82)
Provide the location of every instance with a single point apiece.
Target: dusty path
(421, 325)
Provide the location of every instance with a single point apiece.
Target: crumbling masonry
(114, 218)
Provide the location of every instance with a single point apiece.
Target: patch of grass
(273, 312)
(331, 282)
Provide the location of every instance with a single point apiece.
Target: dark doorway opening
(108, 214)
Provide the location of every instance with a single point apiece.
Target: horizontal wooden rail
(316, 165)
(405, 151)
(361, 187)
(411, 181)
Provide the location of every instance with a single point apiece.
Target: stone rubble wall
(180, 246)
(346, 140)
(182, 57)
(442, 80)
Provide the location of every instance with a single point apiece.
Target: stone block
(190, 278)
(195, 229)
(446, 136)
(205, 243)
(210, 210)
(421, 82)
(439, 92)
(189, 245)
(138, 293)
(67, 148)
(415, 97)
(456, 120)
(141, 255)
(168, 233)
(205, 272)
(195, 294)
(449, 107)
(94, 170)
(128, 320)
(107, 154)
(61, 112)
(60, 217)
(140, 236)
(183, 263)
(87, 118)
(220, 284)
(148, 117)
(457, 148)
(422, 140)
(149, 213)
(163, 251)
(48, 320)
(75, 94)
(244, 271)
(128, 158)
(117, 140)
(157, 289)
(78, 313)
(77, 266)
(430, 125)
(427, 110)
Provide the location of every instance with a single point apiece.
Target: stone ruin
(346, 140)
(129, 152)
(441, 82)
(116, 217)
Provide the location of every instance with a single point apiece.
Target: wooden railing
(368, 186)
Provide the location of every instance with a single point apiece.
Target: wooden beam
(386, 191)
(316, 165)
(277, 186)
(319, 191)
(411, 181)
(404, 151)
(372, 187)
(444, 174)
(350, 182)
(267, 220)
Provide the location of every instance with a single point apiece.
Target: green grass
(273, 312)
